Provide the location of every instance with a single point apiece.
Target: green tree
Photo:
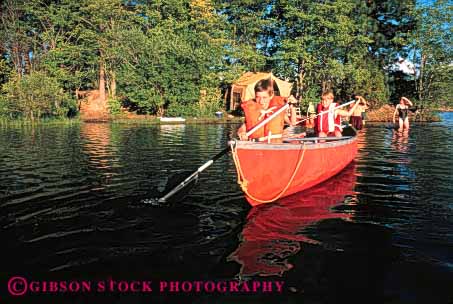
(250, 25)
(319, 46)
(15, 34)
(432, 47)
(59, 49)
(35, 95)
(340, 44)
(387, 24)
(181, 61)
(26, 40)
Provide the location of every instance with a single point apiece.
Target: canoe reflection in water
(273, 232)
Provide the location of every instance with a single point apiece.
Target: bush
(208, 104)
(114, 105)
(34, 96)
(193, 109)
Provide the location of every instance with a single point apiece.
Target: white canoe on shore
(172, 119)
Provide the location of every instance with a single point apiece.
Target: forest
(179, 57)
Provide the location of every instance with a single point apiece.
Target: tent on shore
(243, 88)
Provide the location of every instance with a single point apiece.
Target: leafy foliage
(178, 57)
(432, 47)
(36, 95)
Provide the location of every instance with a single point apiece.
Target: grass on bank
(149, 120)
(20, 121)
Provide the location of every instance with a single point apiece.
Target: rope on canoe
(242, 181)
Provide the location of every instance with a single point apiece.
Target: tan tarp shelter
(243, 88)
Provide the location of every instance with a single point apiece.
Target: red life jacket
(254, 113)
(327, 122)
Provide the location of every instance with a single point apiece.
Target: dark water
(71, 209)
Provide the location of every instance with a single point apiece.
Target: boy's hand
(242, 136)
(292, 100)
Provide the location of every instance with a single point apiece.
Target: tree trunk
(27, 61)
(225, 99)
(301, 79)
(160, 111)
(113, 85)
(102, 81)
(421, 84)
(57, 101)
(77, 99)
(16, 60)
(415, 75)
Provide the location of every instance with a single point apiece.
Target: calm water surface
(71, 207)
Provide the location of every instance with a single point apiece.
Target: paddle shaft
(203, 167)
(193, 175)
(325, 112)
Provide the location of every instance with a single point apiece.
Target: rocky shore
(445, 109)
(385, 114)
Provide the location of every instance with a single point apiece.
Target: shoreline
(382, 115)
(188, 121)
(213, 121)
(444, 109)
(116, 120)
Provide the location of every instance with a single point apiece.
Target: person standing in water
(402, 110)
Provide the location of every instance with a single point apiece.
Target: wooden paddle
(193, 177)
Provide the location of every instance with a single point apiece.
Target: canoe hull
(268, 168)
(172, 119)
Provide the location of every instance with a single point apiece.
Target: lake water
(71, 208)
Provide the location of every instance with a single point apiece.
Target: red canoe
(268, 172)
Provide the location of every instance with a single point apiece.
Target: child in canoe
(328, 119)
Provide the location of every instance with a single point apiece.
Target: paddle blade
(179, 185)
(349, 131)
(175, 181)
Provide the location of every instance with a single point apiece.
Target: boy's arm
(347, 113)
(242, 132)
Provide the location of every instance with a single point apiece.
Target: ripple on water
(71, 200)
